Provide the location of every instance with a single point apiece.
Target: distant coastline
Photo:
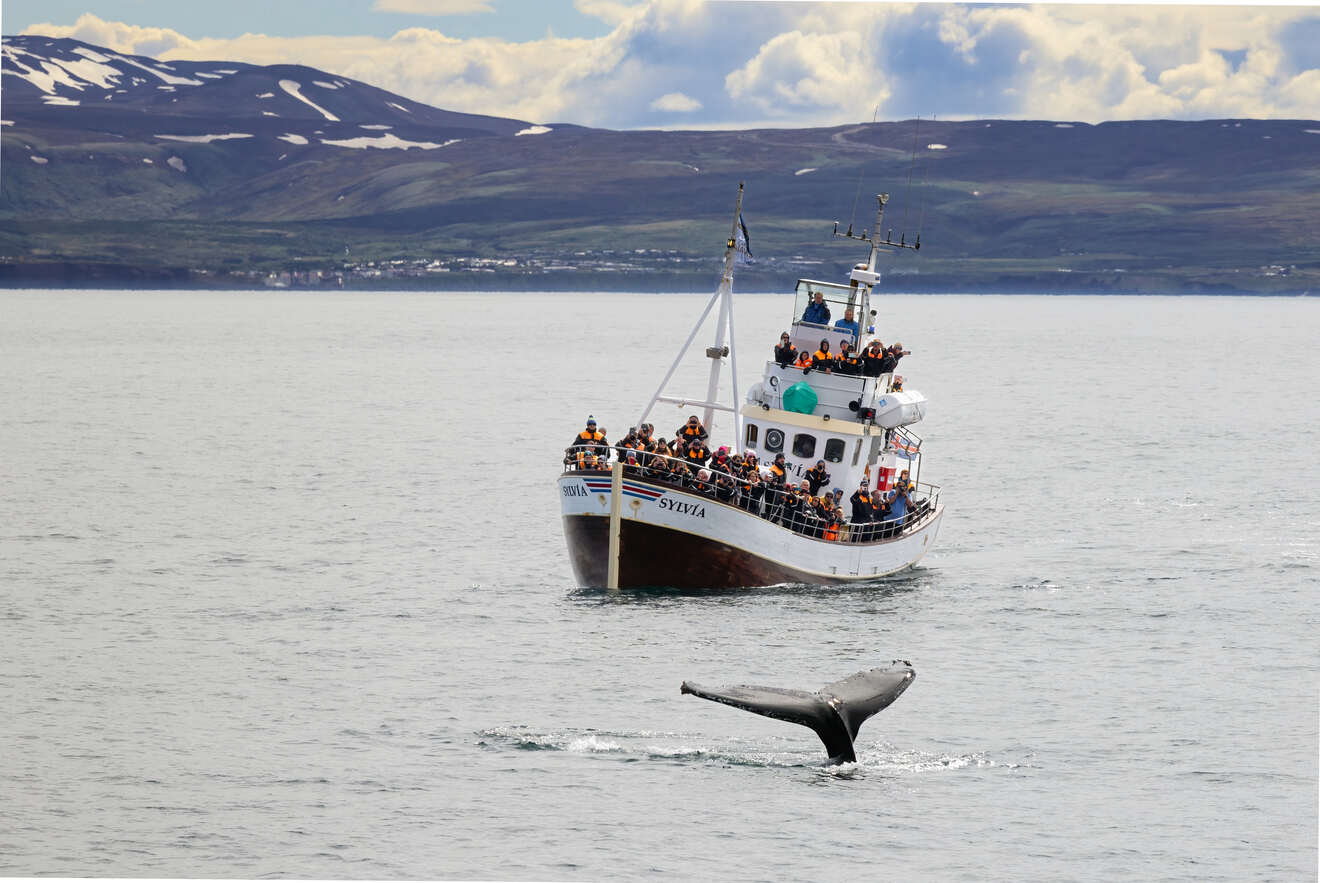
(113, 277)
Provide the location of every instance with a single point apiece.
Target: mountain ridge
(242, 171)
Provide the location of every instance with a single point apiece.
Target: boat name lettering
(696, 510)
(575, 490)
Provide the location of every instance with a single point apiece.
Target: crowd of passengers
(741, 480)
(874, 360)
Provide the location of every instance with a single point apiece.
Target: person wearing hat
(823, 358)
(803, 360)
(785, 353)
(589, 442)
(817, 476)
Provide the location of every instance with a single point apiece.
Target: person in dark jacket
(871, 358)
(817, 477)
(817, 312)
(589, 442)
(847, 362)
(785, 354)
(861, 510)
(696, 454)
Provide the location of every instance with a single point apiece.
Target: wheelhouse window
(774, 440)
(834, 450)
(751, 435)
(804, 445)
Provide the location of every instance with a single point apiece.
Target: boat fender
(825, 416)
(854, 405)
(764, 406)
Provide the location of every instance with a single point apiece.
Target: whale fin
(835, 712)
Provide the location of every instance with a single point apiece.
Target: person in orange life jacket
(589, 441)
(822, 358)
(833, 524)
(817, 476)
(785, 353)
(861, 510)
(803, 360)
(628, 443)
(847, 362)
(897, 385)
(789, 505)
(725, 489)
(692, 430)
(696, 453)
(778, 469)
(871, 358)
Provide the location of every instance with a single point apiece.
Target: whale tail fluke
(835, 712)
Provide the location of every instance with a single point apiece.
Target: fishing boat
(633, 518)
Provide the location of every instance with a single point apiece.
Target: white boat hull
(672, 536)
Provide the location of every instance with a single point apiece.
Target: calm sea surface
(283, 592)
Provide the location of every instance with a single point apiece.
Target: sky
(702, 64)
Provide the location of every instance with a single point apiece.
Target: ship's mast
(867, 280)
(723, 345)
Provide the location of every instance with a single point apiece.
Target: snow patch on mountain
(39, 160)
(166, 78)
(294, 88)
(177, 164)
(59, 101)
(325, 85)
(203, 139)
(398, 106)
(375, 126)
(92, 54)
(388, 141)
(292, 138)
(533, 130)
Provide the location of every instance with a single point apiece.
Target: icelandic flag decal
(905, 447)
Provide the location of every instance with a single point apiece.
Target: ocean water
(283, 592)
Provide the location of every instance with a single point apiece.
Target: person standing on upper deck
(817, 312)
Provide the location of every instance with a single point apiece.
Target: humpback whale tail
(835, 712)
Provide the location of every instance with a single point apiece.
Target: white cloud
(799, 64)
(676, 102)
(433, 7)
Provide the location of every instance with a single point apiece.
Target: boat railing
(767, 501)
